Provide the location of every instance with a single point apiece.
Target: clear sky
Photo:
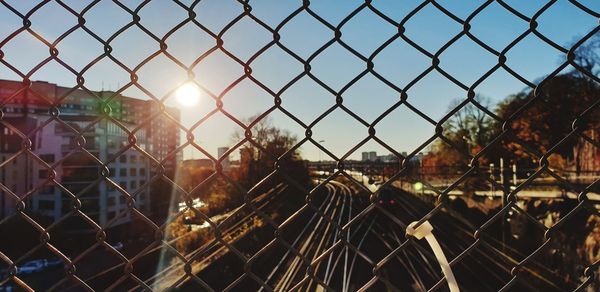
(369, 97)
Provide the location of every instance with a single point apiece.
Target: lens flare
(188, 94)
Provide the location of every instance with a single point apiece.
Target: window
(123, 185)
(48, 158)
(133, 185)
(111, 201)
(47, 190)
(133, 171)
(123, 159)
(142, 171)
(46, 205)
(123, 172)
(43, 173)
(133, 159)
(111, 172)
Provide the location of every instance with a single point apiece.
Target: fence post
(505, 190)
(493, 178)
(514, 174)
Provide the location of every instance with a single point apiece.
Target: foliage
(219, 195)
(468, 130)
(270, 150)
(224, 193)
(547, 120)
(187, 240)
(587, 56)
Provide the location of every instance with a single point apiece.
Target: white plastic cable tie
(424, 230)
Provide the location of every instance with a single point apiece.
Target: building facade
(78, 148)
(369, 156)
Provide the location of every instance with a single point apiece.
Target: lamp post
(320, 150)
(493, 177)
(321, 168)
(418, 186)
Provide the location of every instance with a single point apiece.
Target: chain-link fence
(99, 183)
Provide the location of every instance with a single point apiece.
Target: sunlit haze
(368, 97)
(188, 95)
(277, 145)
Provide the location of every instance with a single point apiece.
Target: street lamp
(322, 173)
(419, 187)
(320, 150)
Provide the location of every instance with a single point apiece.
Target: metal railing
(344, 211)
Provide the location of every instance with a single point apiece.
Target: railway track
(324, 259)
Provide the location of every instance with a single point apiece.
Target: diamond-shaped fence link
(336, 230)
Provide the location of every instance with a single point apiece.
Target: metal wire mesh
(338, 217)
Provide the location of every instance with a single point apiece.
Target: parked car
(118, 245)
(32, 267)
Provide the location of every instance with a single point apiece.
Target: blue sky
(369, 97)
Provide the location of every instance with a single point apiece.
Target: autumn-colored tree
(189, 177)
(547, 120)
(468, 130)
(269, 149)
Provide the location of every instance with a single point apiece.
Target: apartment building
(76, 147)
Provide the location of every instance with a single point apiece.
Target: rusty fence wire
(344, 210)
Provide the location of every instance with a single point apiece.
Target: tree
(550, 118)
(588, 57)
(190, 176)
(272, 145)
(469, 129)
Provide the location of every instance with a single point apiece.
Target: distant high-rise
(369, 156)
(365, 156)
(372, 156)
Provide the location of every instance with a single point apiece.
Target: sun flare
(188, 94)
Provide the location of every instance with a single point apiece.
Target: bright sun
(188, 94)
